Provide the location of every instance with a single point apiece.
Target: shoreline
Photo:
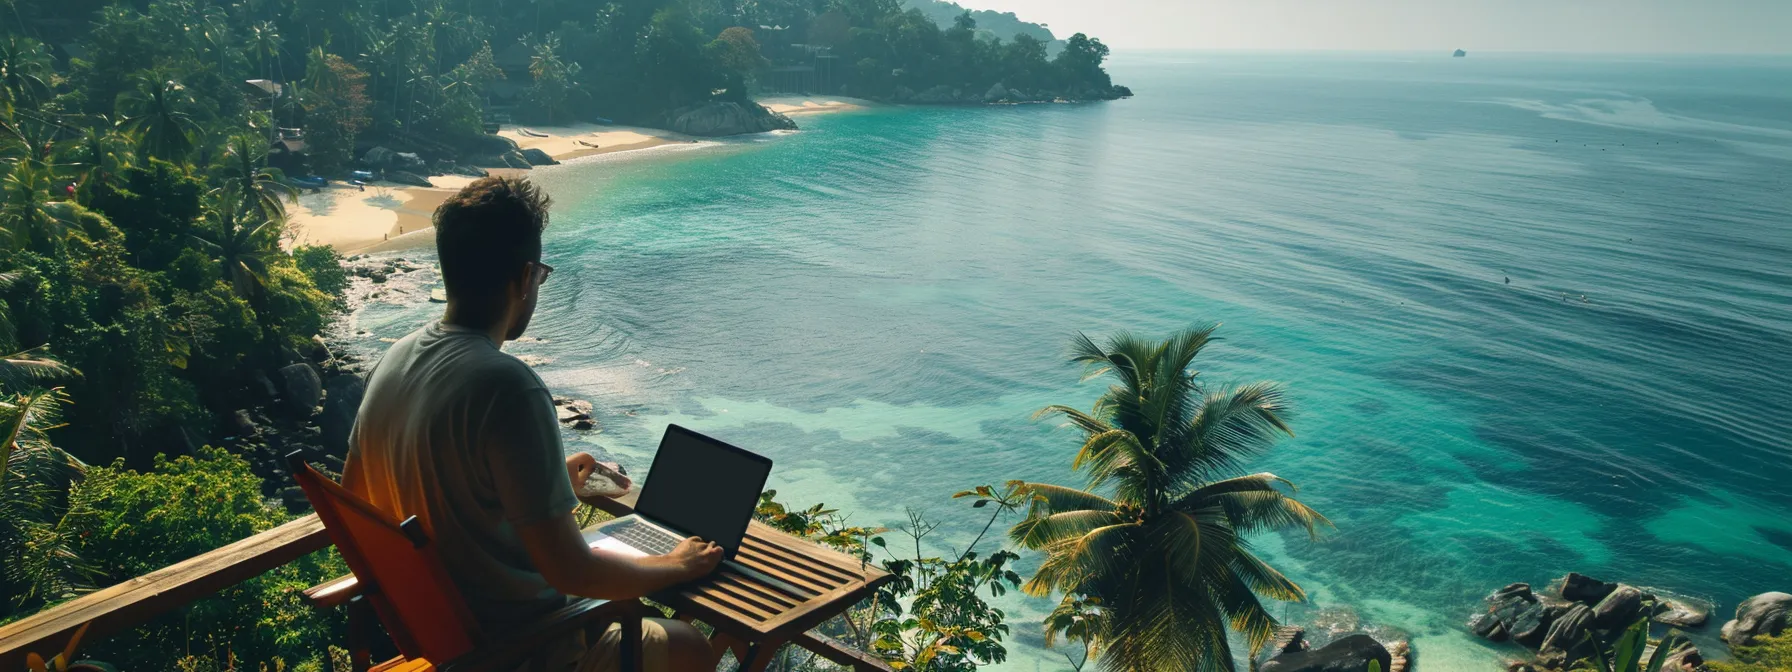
(388, 217)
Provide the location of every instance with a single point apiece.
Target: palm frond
(1253, 503)
(1043, 531)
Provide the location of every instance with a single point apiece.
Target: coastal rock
(1681, 614)
(1582, 588)
(719, 118)
(403, 177)
(1489, 628)
(378, 157)
(516, 160)
(1349, 654)
(1619, 609)
(302, 388)
(536, 157)
(467, 170)
(1767, 614)
(1297, 641)
(1525, 618)
(342, 401)
(318, 352)
(1684, 658)
(408, 161)
(1569, 639)
(996, 93)
(261, 387)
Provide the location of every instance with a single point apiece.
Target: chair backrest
(397, 567)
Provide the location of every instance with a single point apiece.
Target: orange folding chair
(398, 572)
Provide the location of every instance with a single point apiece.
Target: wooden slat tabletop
(821, 583)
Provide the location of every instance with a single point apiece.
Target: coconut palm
(29, 214)
(98, 157)
(264, 44)
(157, 114)
(1159, 539)
(243, 251)
(24, 71)
(264, 188)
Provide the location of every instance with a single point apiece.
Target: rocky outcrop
(407, 178)
(1570, 637)
(1589, 615)
(1582, 588)
(1763, 615)
(719, 118)
(536, 157)
(1352, 653)
(574, 413)
(301, 388)
(386, 159)
(1681, 613)
(1619, 609)
(1684, 658)
(996, 93)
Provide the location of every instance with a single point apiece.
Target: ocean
(1534, 312)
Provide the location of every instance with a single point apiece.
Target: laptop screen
(702, 486)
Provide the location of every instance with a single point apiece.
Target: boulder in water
(1763, 615)
(1681, 614)
(1582, 588)
(1349, 654)
(1570, 637)
(1619, 609)
(718, 118)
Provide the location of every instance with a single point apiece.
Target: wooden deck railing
(119, 607)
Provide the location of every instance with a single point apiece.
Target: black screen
(701, 486)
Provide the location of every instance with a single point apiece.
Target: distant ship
(1459, 53)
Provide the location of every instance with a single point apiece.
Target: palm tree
(36, 563)
(29, 213)
(157, 114)
(24, 71)
(99, 157)
(264, 188)
(242, 251)
(1162, 563)
(264, 43)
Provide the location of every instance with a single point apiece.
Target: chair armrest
(503, 650)
(333, 593)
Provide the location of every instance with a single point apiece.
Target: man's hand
(696, 557)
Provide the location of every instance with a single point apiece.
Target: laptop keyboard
(644, 538)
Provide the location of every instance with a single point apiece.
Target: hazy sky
(1648, 26)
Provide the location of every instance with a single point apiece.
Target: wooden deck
(817, 579)
(124, 605)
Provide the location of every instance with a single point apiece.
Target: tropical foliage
(1153, 559)
(934, 616)
(1767, 654)
(126, 523)
(1630, 651)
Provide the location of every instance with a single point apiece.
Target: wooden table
(765, 616)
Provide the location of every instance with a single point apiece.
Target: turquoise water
(879, 302)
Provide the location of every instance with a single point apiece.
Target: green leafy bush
(130, 523)
(1769, 654)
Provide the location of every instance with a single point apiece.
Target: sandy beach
(387, 216)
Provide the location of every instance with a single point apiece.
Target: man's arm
(560, 553)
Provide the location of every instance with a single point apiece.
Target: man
(464, 436)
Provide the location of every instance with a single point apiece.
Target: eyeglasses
(541, 273)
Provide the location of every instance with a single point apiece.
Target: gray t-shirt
(456, 432)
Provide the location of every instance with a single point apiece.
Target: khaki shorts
(572, 653)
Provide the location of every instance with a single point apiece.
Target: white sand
(794, 106)
(390, 217)
(576, 140)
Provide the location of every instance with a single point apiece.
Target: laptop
(698, 486)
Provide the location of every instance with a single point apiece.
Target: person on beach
(464, 436)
